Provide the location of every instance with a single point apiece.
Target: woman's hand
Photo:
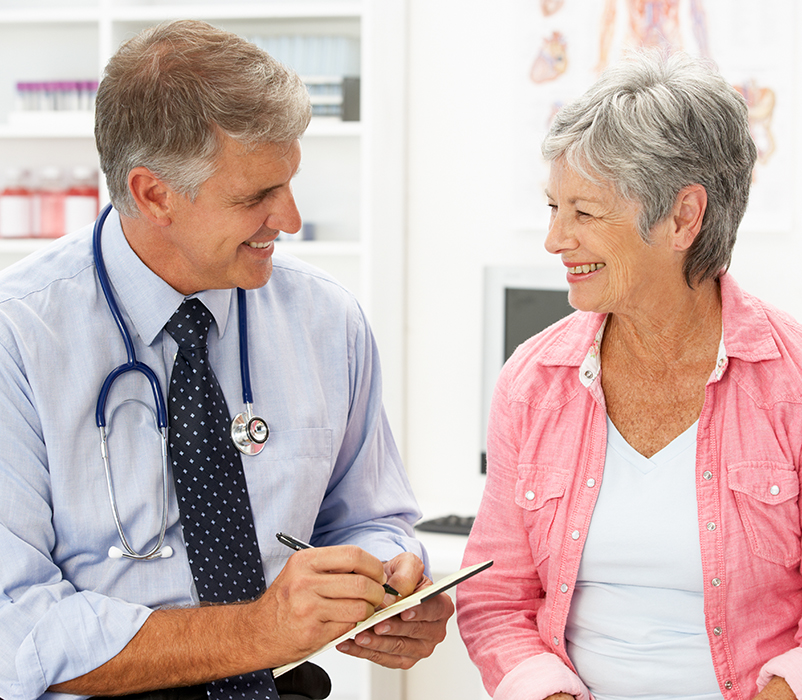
(403, 640)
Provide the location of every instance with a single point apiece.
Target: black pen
(296, 544)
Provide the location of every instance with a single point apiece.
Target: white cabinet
(351, 185)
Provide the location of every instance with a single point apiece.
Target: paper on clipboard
(392, 610)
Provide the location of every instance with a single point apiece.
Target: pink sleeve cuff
(787, 666)
(537, 678)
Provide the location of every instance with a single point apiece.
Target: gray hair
(652, 125)
(170, 95)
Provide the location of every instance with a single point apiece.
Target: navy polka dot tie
(212, 494)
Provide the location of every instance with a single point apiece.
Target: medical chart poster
(563, 45)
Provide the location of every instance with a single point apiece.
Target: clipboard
(404, 604)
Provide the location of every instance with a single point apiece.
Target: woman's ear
(151, 194)
(689, 212)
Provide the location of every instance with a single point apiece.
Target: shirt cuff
(74, 637)
(787, 666)
(537, 678)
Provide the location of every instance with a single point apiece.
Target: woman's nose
(559, 237)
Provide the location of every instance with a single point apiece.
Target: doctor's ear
(152, 195)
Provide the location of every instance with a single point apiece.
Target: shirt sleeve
(787, 666)
(51, 631)
(552, 677)
(369, 501)
(498, 611)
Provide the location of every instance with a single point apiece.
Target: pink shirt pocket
(766, 494)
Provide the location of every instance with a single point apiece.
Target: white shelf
(47, 125)
(295, 9)
(61, 14)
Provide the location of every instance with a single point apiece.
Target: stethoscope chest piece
(249, 433)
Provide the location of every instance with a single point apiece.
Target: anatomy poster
(565, 44)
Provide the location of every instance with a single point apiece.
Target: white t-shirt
(636, 626)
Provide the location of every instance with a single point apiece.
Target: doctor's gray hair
(171, 94)
(652, 125)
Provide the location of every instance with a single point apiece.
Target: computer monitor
(518, 303)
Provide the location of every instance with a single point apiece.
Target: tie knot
(190, 324)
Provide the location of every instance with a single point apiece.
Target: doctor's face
(225, 238)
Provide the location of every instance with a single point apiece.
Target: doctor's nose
(285, 216)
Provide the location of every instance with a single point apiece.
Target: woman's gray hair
(652, 125)
(170, 94)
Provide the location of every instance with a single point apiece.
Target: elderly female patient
(642, 497)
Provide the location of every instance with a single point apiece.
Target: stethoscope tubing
(249, 433)
(132, 364)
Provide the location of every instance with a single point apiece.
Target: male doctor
(198, 133)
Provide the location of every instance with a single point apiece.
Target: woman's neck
(681, 328)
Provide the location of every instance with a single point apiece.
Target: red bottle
(82, 200)
(16, 202)
(52, 195)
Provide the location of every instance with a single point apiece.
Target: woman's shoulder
(564, 343)
(549, 361)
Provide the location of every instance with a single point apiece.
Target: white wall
(462, 59)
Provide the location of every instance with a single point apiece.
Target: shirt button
(721, 361)
(564, 588)
(529, 495)
(588, 374)
(575, 535)
(716, 582)
(711, 526)
(717, 631)
(556, 641)
(591, 483)
(707, 475)
(774, 490)
(728, 685)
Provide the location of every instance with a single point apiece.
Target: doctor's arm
(370, 503)
(319, 595)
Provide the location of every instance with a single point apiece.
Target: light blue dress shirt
(330, 472)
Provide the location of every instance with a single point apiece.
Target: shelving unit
(352, 180)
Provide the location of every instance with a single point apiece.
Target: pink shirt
(546, 450)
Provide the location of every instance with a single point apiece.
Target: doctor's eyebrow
(261, 194)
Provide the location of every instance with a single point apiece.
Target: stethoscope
(248, 432)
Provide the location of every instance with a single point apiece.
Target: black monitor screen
(529, 311)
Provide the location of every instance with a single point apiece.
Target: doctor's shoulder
(297, 281)
(59, 262)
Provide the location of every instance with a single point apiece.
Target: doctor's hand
(319, 595)
(401, 641)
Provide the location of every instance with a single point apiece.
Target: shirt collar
(147, 300)
(746, 334)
